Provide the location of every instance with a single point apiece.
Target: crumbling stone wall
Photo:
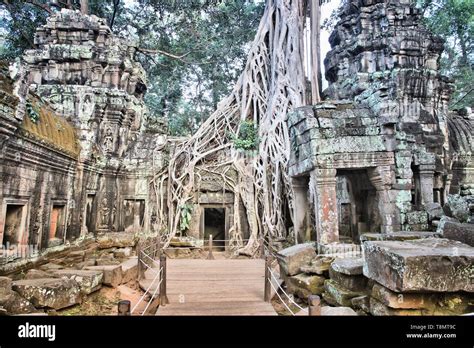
(87, 156)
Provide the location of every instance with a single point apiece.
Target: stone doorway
(133, 215)
(215, 224)
(15, 222)
(357, 206)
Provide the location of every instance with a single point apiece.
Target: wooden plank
(215, 287)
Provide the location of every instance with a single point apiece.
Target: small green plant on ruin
(186, 215)
(32, 112)
(247, 139)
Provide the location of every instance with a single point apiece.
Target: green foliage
(247, 138)
(201, 47)
(32, 112)
(186, 215)
(453, 20)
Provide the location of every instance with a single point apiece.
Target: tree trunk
(315, 13)
(84, 7)
(271, 85)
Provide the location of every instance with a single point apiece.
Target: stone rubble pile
(68, 279)
(405, 273)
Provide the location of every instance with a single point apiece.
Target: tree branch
(40, 5)
(164, 53)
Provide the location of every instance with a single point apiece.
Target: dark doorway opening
(214, 223)
(89, 209)
(13, 224)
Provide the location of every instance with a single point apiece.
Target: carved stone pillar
(426, 183)
(300, 209)
(382, 178)
(327, 225)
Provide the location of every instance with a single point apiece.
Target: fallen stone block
(434, 210)
(50, 267)
(398, 236)
(291, 259)
(341, 295)
(319, 265)
(112, 274)
(117, 240)
(303, 285)
(379, 309)
(457, 207)
(424, 265)
(123, 252)
(349, 266)
(339, 311)
(463, 233)
(14, 303)
(401, 301)
(356, 283)
(11, 301)
(129, 270)
(53, 293)
(361, 303)
(37, 274)
(89, 281)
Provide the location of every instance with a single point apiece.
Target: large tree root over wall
(271, 85)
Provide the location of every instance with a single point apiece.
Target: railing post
(124, 308)
(267, 289)
(141, 270)
(314, 305)
(210, 256)
(163, 298)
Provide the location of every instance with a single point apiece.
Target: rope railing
(272, 282)
(157, 276)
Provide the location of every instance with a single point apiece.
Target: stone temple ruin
(381, 162)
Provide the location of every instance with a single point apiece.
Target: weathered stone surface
(112, 274)
(50, 267)
(53, 293)
(5, 284)
(457, 207)
(89, 281)
(434, 210)
(398, 236)
(379, 309)
(116, 239)
(291, 259)
(123, 252)
(14, 303)
(401, 301)
(463, 233)
(129, 270)
(341, 295)
(37, 274)
(303, 285)
(349, 266)
(338, 311)
(318, 265)
(361, 303)
(356, 283)
(423, 265)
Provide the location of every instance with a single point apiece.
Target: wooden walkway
(215, 287)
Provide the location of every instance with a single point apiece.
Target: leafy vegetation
(186, 215)
(247, 138)
(453, 20)
(192, 50)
